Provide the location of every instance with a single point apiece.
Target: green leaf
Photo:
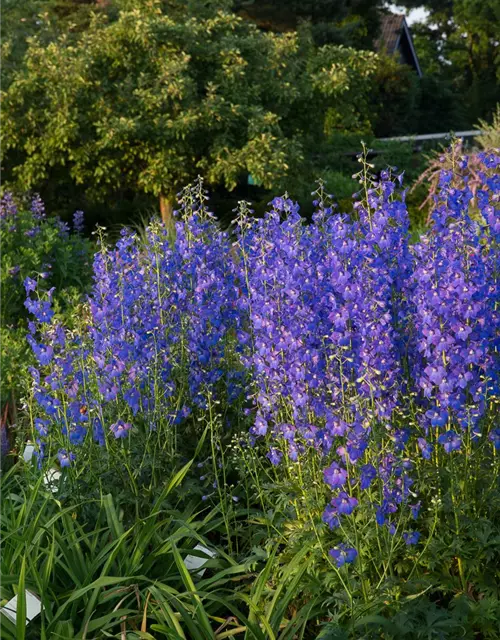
(199, 610)
(174, 482)
(114, 523)
(21, 603)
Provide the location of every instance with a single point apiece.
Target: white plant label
(194, 563)
(50, 479)
(33, 607)
(28, 452)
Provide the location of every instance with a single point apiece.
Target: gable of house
(395, 39)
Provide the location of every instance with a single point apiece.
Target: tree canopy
(147, 98)
(348, 22)
(459, 45)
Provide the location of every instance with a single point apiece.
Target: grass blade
(21, 603)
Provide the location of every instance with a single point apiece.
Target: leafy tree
(146, 98)
(349, 22)
(396, 98)
(459, 46)
(45, 19)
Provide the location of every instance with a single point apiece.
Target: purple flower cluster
(157, 341)
(325, 301)
(349, 341)
(34, 243)
(453, 312)
(360, 344)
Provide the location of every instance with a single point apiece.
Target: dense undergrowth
(316, 403)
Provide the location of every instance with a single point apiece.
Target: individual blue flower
(400, 438)
(425, 447)
(42, 310)
(335, 475)
(98, 432)
(108, 390)
(415, 509)
(437, 418)
(47, 402)
(42, 426)
(331, 517)
(133, 398)
(120, 429)
(181, 415)
(260, 427)
(368, 474)
(344, 503)
(30, 285)
(451, 441)
(77, 434)
(411, 537)
(343, 555)
(43, 353)
(115, 368)
(380, 516)
(274, 456)
(65, 458)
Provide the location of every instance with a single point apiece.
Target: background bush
(35, 245)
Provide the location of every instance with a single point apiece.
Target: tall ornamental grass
(365, 369)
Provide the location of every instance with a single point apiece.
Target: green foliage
(98, 574)
(458, 47)
(490, 138)
(395, 98)
(348, 22)
(43, 19)
(147, 100)
(449, 584)
(99, 570)
(34, 245)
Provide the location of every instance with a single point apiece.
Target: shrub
(459, 168)
(490, 139)
(35, 244)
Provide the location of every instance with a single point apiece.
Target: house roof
(391, 26)
(393, 30)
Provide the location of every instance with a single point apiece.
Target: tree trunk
(167, 211)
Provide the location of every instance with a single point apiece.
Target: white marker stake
(193, 563)
(33, 607)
